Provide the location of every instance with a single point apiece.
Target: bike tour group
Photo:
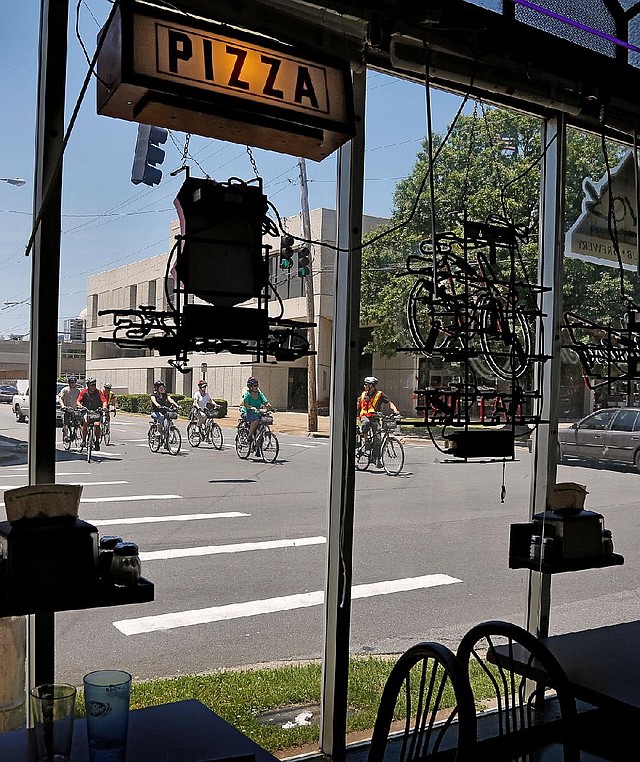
(88, 413)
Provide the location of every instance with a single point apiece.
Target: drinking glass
(106, 696)
(52, 706)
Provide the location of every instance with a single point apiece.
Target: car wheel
(636, 460)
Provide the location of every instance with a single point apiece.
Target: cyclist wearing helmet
(91, 398)
(68, 399)
(202, 402)
(111, 400)
(160, 402)
(252, 400)
(369, 403)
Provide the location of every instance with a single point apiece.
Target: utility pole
(312, 402)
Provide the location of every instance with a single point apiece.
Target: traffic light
(304, 262)
(148, 154)
(286, 252)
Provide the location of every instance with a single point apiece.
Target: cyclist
(68, 399)
(252, 401)
(202, 402)
(91, 398)
(369, 403)
(160, 401)
(111, 400)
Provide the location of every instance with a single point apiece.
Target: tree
(489, 164)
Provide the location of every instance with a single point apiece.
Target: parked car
(7, 392)
(20, 403)
(611, 435)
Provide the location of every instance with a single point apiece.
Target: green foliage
(490, 165)
(141, 403)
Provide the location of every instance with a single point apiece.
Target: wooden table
(185, 731)
(602, 664)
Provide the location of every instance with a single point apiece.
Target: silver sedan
(609, 435)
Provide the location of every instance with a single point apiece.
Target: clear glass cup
(106, 697)
(53, 706)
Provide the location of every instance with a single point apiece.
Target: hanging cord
(253, 162)
(187, 155)
(76, 110)
(464, 191)
(503, 488)
(432, 187)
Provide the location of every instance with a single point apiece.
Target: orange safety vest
(370, 408)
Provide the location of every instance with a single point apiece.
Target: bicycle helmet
(158, 383)
(91, 381)
(371, 380)
(252, 381)
(107, 386)
(202, 383)
(71, 378)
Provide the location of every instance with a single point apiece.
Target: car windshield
(59, 388)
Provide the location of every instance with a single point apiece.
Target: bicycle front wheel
(216, 436)
(154, 438)
(90, 434)
(174, 440)
(392, 456)
(106, 433)
(243, 446)
(362, 453)
(66, 441)
(193, 434)
(270, 447)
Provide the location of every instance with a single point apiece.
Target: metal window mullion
(344, 385)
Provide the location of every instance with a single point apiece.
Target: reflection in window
(600, 420)
(625, 420)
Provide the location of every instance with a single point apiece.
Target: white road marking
(82, 484)
(240, 547)
(291, 444)
(158, 519)
(124, 498)
(271, 605)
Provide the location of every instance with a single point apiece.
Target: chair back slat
(428, 691)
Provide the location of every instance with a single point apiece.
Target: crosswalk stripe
(159, 519)
(81, 484)
(163, 622)
(239, 547)
(124, 498)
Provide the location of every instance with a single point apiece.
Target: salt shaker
(535, 548)
(125, 565)
(107, 544)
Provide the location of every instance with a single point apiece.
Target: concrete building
(285, 383)
(14, 359)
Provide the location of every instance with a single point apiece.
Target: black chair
(429, 697)
(534, 712)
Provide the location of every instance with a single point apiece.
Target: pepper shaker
(125, 565)
(107, 544)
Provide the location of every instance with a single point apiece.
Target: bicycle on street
(166, 433)
(380, 447)
(208, 431)
(72, 428)
(93, 417)
(264, 443)
(106, 426)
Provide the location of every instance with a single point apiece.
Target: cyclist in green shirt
(252, 401)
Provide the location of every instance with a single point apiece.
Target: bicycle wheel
(174, 440)
(67, 441)
(106, 433)
(505, 338)
(90, 435)
(154, 438)
(243, 446)
(216, 436)
(194, 435)
(362, 453)
(270, 447)
(392, 456)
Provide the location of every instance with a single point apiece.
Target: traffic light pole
(308, 289)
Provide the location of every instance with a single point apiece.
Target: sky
(108, 221)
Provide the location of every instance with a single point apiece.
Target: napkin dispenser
(576, 534)
(47, 558)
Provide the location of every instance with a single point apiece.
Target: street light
(12, 180)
